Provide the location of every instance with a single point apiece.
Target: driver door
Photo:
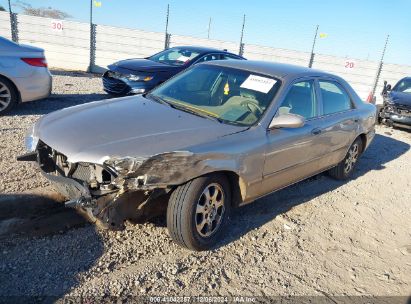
(293, 154)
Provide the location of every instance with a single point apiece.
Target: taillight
(38, 62)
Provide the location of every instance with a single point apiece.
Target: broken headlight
(125, 165)
(31, 140)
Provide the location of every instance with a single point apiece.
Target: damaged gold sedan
(217, 136)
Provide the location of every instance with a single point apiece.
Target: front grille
(114, 85)
(82, 172)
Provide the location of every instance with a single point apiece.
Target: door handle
(316, 131)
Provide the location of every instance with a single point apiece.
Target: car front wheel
(198, 211)
(346, 167)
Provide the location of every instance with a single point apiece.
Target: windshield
(228, 95)
(175, 56)
(403, 86)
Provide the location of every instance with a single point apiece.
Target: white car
(24, 75)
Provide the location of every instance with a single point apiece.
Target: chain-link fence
(88, 46)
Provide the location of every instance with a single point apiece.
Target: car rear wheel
(198, 211)
(8, 95)
(346, 167)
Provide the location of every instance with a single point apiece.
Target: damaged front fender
(167, 169)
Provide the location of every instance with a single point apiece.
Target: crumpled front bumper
(397, 119)
(110, 210)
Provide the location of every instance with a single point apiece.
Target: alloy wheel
(5, 96)
(210, 210)
(352, 158)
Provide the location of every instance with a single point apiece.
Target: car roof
(274, 69)
(202, 49)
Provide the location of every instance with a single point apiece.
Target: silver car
(216, 136)
(24, 75)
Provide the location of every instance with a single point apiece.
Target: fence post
(310, 64)
(241, 52)
(167, 41)
(378, 74)
(167, 35)
(14, 27)
(93, 31)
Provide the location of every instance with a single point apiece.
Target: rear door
(339, 123)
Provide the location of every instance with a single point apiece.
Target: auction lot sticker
(258, 83)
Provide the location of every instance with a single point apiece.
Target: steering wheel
(252, 104)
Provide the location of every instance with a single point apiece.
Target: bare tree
(48, 12)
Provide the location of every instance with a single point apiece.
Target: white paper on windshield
(258, 83)
(183, 58)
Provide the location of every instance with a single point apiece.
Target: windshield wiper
(159, 100)
(185, 109)
(197, 113)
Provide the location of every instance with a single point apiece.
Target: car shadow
(245, 219)
(55, 102)
(41, 254)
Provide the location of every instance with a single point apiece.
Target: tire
(8, 95)
(379, 112)
(346, 167)
(188, 207)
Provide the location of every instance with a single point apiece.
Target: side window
(228, 57)
(209, 57)
(300, 100)
(335, 98)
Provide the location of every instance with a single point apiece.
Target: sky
(354, 28)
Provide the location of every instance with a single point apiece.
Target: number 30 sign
(57, 25)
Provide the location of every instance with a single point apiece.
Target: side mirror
(389, 87)
(287, 121)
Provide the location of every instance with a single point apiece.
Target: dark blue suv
(138, 76)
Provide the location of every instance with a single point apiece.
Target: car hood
(401, 98)
(141, 65)
(130, 126)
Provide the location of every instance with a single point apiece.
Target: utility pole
(241, 51)
(167, 38)
(377, 76)
(310, 65)
(209, 27)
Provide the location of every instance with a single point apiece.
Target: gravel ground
(319, 237)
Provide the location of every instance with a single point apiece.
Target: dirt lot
(319, 237)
